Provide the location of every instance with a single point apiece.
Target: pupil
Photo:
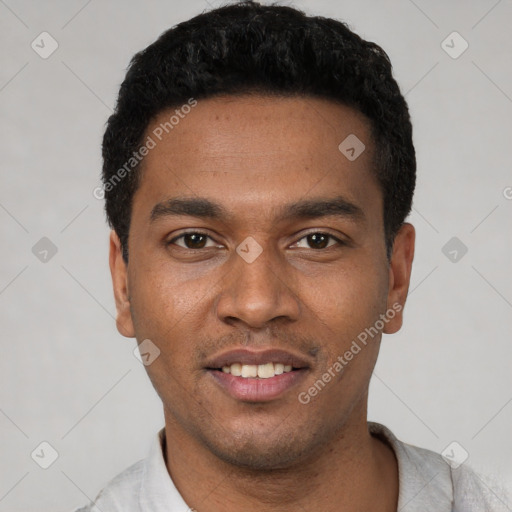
(194, 238)
(195, 241)
(315, 238)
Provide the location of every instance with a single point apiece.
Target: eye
(193, 240)
(318, 240)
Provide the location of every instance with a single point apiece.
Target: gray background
(70, 379)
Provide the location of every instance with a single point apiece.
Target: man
(258, 171)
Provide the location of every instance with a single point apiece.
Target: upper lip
(245, 356)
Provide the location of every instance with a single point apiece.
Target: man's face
(260, 275)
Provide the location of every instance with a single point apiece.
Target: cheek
(347, 299)
(345, 307)
(162, 308)
(171, 315)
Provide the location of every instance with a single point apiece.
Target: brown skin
(252, 155)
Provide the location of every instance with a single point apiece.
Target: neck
(353, 472)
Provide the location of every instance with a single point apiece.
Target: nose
(257, 292)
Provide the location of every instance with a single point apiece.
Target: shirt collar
(424, 478)
(157, 491)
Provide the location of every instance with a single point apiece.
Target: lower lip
(257, 390)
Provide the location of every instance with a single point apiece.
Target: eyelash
(336, 239)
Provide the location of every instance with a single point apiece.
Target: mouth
(253, 371)
(257, 376)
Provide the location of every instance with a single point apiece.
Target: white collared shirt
(427, 483)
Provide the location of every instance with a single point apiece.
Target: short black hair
(247, 48)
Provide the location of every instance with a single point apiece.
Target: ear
(119, 273)
(400, 275)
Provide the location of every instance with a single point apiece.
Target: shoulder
(146, 485)
(472, 492)
(120, 493)
(428, 481)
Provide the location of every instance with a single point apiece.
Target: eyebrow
(303, 209)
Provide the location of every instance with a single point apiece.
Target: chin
(262, 453)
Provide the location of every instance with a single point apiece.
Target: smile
(261, 371)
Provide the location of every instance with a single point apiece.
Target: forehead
(257, 125)
(256, 150)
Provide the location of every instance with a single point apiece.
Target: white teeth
(278, 368)
(236, 369)
(262, 371)
(266, 370)
(249, 370)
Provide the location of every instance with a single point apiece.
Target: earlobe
(119, 273)
(400, 275)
